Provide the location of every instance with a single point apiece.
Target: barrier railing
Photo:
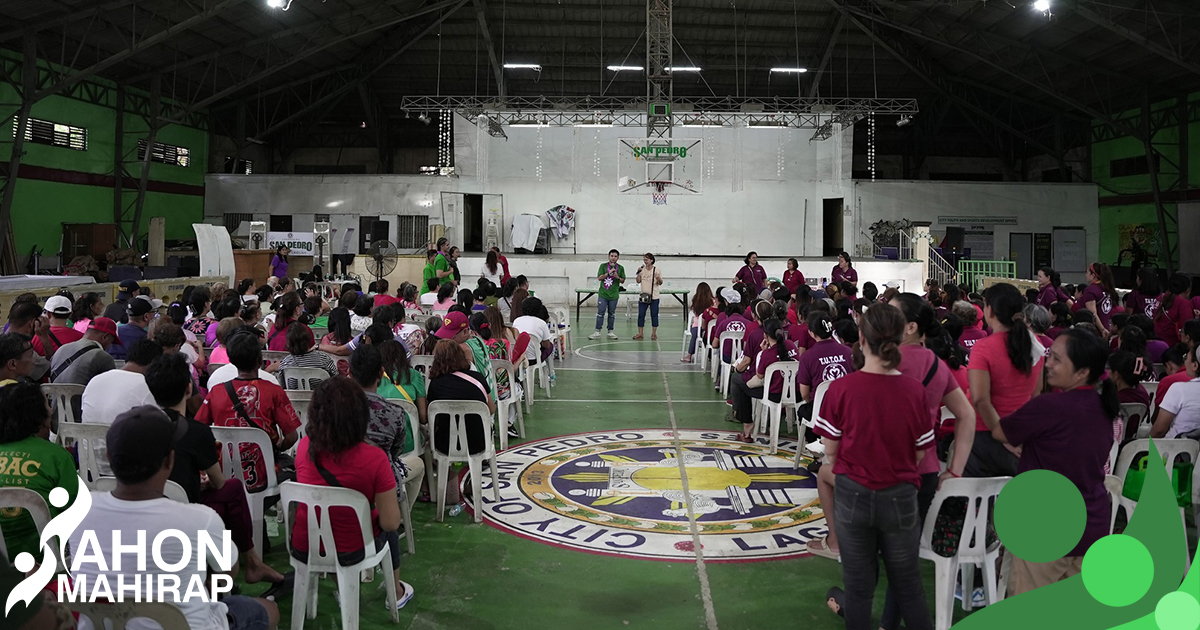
(970, 271)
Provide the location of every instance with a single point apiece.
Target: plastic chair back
(980, 493)
(421, 363)
(65, 399)
(116, 616)
(172, 490)
(509, 405)
(31, 502)
(302, 378)
(1151, 388)
(414, 423)
(232, 439)
(788, 370)
(1114, 485)
(273, 356)
(300, 398)
(89, 439)
(1170, 450)
(457, 413)
(1137, 417)
(322, 551)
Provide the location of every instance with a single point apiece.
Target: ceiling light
(790, 70)
(627, 68)
(767, 124)
(1041, 5)
(702, 122)
(523, 66)
(595, 124)
(904, 121)
(279, 4)
(528, 122)
(683, 69)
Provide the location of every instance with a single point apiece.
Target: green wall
(41, 207)
(1112, 218)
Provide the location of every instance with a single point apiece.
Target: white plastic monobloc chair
(1171, 450)
(232, 439)
(540, 372)
(420, 449)
(300, 398)
(768, 414)
(32, 502)
(117, 616)
(507, 406)
(65, 399)
(973, 550)
(818, 396)
(456, 414)
(703, 349)
(1137, 415)
(172, 490)
(322, 552)
(1114, 485)
(89, 439)
(1151, 388)
(734, 339)
(560, 326)
(421, 363)
(301, 378)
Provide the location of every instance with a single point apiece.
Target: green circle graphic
(1177, 611)
(1040, 516)
(1118, 570)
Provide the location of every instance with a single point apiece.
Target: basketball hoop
(660, 193)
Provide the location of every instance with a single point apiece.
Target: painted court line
(580, 400)
(710, 615)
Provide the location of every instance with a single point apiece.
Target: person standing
(442, 269)
(792, 278)
(650, 279)
(117, 311)
(1174, 309)
(505, 276)
(279, 263)
(611, 275)
(1100, 296)
(844, 271)
(752, 274)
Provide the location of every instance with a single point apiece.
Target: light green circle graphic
(1118, 570)
(1040, 516)
(1177, 611)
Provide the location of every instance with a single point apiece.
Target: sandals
(820, 547)
(685, 360)
(637, 337)
(834, 598)
(654, 337)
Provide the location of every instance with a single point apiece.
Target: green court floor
(475, 577)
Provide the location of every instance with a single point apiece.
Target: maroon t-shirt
(1070, 434)
(879, 435)
(792, 279)
(754, 277)
(1144, 304)
(970, 335)
(733, 323)
(802, 338)
(751, 346)
(1134, 395)
(1166, 324)
(1104, 304)
(826, 360)
(766, 358)
(917, 364)
(838, 275)
(1048, 296)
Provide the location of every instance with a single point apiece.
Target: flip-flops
(834, 598)
(820, 547)
(282, 588)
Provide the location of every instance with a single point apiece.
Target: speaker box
(954, 239)
(379, 231)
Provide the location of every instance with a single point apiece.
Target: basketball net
(660, 193)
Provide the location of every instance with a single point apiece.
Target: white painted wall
(1037, 207)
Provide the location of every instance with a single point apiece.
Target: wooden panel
(254, 264)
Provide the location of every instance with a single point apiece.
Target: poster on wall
(1070, 249)
(301, 243)
(1043, 251)
(981, 240)
(1144, 235)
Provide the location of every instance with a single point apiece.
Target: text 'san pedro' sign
(675, 163)
(660, 151)
(301, 243)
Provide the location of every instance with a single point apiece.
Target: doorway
(832, 235)
(1020, 251)
(473, 223)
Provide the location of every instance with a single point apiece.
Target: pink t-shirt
(219, 355)
(1010, 388)
(917, 363)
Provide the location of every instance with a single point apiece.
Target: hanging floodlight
(280, 4)
(1041, 5)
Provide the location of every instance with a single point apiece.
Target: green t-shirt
(426, 276)
(415, 388)
(442, 263)
(41, 466)
(483, 363)
(612, 291)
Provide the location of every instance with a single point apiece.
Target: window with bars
(412, 231)
(54, 134)
(166, 154)
(235, 219)
(244, 167)
(1136, 165)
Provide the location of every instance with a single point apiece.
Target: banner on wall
(301, 243)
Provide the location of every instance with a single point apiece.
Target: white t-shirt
(1183, 400)
(112, 393)
(538, 330)
(229, 371)
(429, 299)
(109, 514)
(494, 278)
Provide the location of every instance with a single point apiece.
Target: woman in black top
(451, 378)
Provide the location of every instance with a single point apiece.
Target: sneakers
(978, 596)
(612, 335)
(595, 335)
(402, 598)
(513, 433)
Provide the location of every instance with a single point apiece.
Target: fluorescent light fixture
(1041, 5)
(767, 124)
(334, 204)
(626, 68)
(701, 122)
(683, 69)
(523, 66)
(790, 70)
(280, 4)
(527, 123)
(594, 125)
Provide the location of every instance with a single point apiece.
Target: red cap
(453, 324)
(106, 325)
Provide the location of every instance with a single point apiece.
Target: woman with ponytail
(876, 429)
(773, 347)
(1174, 309)
(1070, 433)
(1100, 296)
(701, 312)
(1005, 371)
(751, 344)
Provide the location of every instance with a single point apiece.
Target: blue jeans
(883, 522)
(606, 305)
(246, 613)
(692, 347)
(653, 306)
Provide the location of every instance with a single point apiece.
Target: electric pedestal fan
(383, 259)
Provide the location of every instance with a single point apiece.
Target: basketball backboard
(676, 163)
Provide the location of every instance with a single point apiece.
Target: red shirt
(879, 435)
(365, 468)
(837, 276)
(1170, 318)
(792, 279)
(382, 299)
(1010, 388)
(1179, 377)
(59, 337)
(504, 277)
(269, 409)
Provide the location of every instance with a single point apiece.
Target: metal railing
(940, 269)
(971, 271)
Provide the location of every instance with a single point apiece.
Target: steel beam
(1164, 240)
(8, 257)
(660, 46)
(144, 179)
(824, 63)
(481, 16)
(1137, 38)
(72, 16)
(119, 160)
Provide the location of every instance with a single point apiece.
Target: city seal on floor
(622, 493)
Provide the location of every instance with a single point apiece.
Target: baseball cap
(140, 439)
(129, 286)
(58, 305)
(141, 305)
(106, 325)
(731, 296)
(453, 324)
